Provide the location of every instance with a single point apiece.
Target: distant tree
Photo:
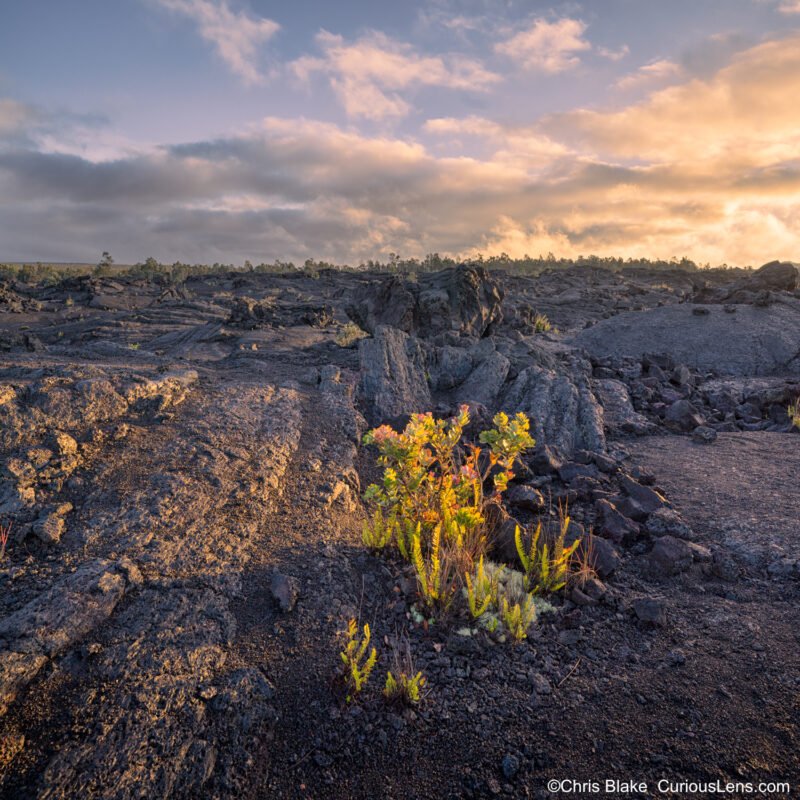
(104, 266)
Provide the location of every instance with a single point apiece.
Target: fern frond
(523, 557)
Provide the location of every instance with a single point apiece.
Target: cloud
(369, 74)
(517, 146)
(709, 169)
(614, 55)
(235, 35)
(789, 7)
(547, 46)
(738, 119)
(656, 72)
(15, 117)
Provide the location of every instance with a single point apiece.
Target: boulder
(484, 383)
(284, 590)
(59, 617)
(562, 409)
(649, 499)
(85, 402)
(572, 470)
(618, 413)
(525, 497)
(62, 443)
(600, 555)
(393, 379)
(667, 522)
(251, 314)
(684, 415)
(758, 288)
(448, 366)
(670, 556)
(49, 529)
(502, 536)
(613, 525)
(464, 299)
(650, 611)
(776, 275)
(20, 340)
(723, 565)
(704, 435)
(546, 459)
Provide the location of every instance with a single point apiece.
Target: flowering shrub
(794, 412)
(432, 500)
(429, 481)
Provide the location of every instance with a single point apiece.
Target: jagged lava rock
(392, 375)
(562, 409)
(464, 299)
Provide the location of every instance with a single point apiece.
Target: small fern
(356, 674)
(794, 412)
(483, 593)
(518, 618)
(375, 538)
(405, 688)
(404, 533)
(545, 568)
(540, 323)
(438, 575)
(428, 575)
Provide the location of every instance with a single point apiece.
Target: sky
(222, 130)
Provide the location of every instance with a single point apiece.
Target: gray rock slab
(751, 341)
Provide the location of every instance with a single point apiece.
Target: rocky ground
(182, 474)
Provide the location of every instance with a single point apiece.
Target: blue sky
(204, 130)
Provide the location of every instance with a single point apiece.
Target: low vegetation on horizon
(178, 272)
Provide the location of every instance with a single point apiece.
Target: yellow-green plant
(545, 568)
(518, 618)
(404, 682)
(349, 335)
(379, 534)
(356, 673)
(794, 412)
(404, 687)
(540, 323)
(482, 593)
(437, 572)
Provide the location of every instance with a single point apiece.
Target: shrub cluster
(432, 508)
